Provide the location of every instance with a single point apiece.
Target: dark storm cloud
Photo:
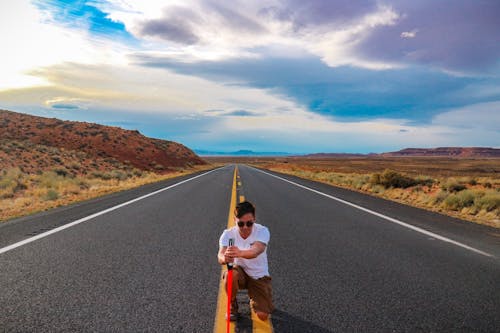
(176, 25)
(303, 14)
(457, 35)
(179, 24)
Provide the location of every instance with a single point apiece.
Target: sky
(276, 75)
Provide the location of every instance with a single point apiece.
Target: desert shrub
(159, 166)
(75, 166)
(102, 175)
(488, 202)
(137, 172)
(11, 181)
(61, 172)
(51, 195)
(390, 178)
(424, 180)
(116, 174)
(459, 200)
(453, 186)
(49, 179)
(488, 185)
(472, 182)
(378, 189)
(439, 197)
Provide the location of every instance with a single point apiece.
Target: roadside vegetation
(467, 189)
(25, 193)
(473, 199)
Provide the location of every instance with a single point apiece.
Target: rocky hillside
(38, 143)
(464, 152)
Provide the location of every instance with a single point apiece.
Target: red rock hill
(129, 147)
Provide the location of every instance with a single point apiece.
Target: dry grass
(25, 193)
(465, 188)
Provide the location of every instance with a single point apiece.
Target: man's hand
(227, 254)
(231, 253)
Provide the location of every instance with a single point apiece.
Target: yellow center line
(220, 321)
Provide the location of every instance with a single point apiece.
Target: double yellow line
(258, 326)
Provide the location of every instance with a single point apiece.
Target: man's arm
(256, 249)
(221, 255)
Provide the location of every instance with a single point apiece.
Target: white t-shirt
(256, 267)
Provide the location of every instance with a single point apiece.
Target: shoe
(232, 316)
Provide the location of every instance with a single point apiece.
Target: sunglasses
(241, 224)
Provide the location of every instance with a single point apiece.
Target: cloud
(460, 37)
(369, 34)
(241, 113)
(409, 34)
(479, 117)
(344, 92)
(65, 106)
(39, 39)
(210, 30)
(174, 26)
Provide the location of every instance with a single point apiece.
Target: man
(249, 257)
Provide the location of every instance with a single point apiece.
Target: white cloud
(409, 34)
(31, 38)
(480, 117)
(218, 39)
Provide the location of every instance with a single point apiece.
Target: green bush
(116, 174)
(390, 178)
(453, 187)
(488, 202)
(459, 200)
(51, 195)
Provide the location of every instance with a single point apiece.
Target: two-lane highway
(150, 265)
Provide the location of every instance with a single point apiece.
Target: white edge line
(409, 226)
(86, 218)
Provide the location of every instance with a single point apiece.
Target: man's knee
(235, 278)
(262, 315)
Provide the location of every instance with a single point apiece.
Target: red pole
(229, 281)
(229, 291)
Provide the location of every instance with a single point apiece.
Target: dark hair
(243, 208)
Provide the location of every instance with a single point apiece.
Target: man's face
(243, 222)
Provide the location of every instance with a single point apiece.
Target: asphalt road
(151, 264)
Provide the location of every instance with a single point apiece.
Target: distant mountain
(460, 152)
(238, 153)
(22, 132)
(332, 155)
(447, 152)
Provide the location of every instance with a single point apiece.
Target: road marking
(390, 219)
(242, 198)
(220, 312)
(87, 218)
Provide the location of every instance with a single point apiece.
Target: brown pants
(259, 290)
